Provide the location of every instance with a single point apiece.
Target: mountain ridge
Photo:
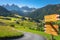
(46, 10)
(21, 10)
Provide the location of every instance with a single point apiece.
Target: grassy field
(6, 31)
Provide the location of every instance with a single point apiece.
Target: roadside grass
(47, 36)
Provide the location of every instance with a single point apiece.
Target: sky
(30, 3)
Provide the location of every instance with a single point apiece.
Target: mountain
(21, 10)
(5, 12)
(41, 12)
(13, 8)
(27, 9)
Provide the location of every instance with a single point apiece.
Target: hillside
(5, 12)
(49, 9)
(9, 26)
(6, 29)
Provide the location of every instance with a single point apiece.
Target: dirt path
(30, 36)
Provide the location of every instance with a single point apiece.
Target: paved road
(30, 36)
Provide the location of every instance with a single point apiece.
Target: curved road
(30, 36)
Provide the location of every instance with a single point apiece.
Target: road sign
(51, 30)
(52, 18)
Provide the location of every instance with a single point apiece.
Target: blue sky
(30, 3)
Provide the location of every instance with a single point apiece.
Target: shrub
(17, 22)
(12, 25)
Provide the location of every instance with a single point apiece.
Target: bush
(23, 18)
(6, 18)
(12, 25)
(17, 22)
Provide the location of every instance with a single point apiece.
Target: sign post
(51, 28)
(52, 37)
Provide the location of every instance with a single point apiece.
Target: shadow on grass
(11, 38)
